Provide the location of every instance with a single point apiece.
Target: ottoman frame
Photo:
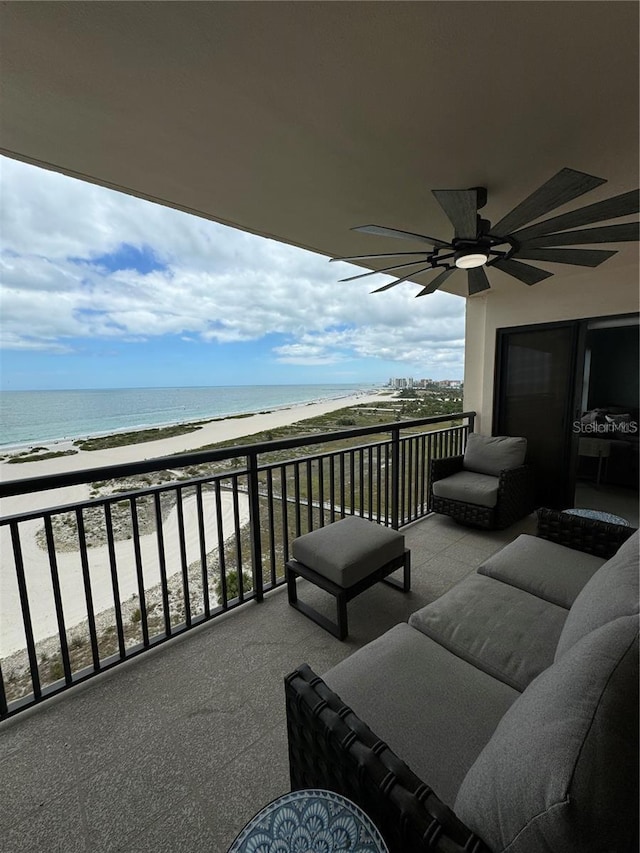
(339, 629)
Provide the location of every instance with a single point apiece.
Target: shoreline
(18, 447)
(208, 432)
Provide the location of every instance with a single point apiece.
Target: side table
(597, 515)
(311, 819)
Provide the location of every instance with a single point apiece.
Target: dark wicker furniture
(582, 534)
(515, 496)
(330, 747)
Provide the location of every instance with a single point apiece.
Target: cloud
(307, 353)
(65, 241)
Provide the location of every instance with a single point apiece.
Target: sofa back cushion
(560, 771)
(613, 591)
(491, 454)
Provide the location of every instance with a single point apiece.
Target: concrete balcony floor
(177, 750)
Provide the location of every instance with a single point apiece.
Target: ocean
(34, 417)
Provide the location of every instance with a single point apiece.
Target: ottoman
(344, 559)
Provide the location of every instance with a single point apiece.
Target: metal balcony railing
(95, 583)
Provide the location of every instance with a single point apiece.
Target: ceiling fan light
(470, 260)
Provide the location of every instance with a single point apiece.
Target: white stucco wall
(581, 294)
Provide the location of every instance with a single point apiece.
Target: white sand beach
(36, 559)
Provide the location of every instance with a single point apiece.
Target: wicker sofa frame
(330, 747)
(515, 496)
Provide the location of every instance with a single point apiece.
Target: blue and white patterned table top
(310, 821)
(597, 515)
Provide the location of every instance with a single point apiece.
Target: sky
(99, 289)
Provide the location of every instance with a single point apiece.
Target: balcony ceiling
(299, 121)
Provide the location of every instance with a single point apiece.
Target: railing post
(395, 477)
(254, 525)
(472, 420)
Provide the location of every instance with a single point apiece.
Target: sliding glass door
(535, 392)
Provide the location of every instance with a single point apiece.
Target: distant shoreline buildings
(409, 382)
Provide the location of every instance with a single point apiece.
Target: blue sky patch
(128, 257)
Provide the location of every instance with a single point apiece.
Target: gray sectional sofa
(503, 716)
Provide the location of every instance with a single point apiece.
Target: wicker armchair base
(331, 748)
(469, 514)
(515, 497)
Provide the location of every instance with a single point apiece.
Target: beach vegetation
(56, 670)
(120, 439)
(32, 456)
(233, 589)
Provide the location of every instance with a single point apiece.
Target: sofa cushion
(348, 550)
(434, 710)
(468, 487)
(542, 568)
(504, 631)
(612, 592)
(491, 454)
(560, 771)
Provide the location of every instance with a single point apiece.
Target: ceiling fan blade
(461, 206)
(610, 208)
(478, 280)
(523, 272)
(400, 280)
(579, 257)
(438, 281)
(379, 255)
(605, 234)
(383, 270)
(381, 231)
(563, 187)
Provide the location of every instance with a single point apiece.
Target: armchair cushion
(555, 775)
(468, 487)
(491, 454)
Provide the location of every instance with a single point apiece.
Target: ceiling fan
(478, 244)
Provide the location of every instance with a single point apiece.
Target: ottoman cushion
(347, 551)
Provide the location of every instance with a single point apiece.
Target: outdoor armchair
(489, 486)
